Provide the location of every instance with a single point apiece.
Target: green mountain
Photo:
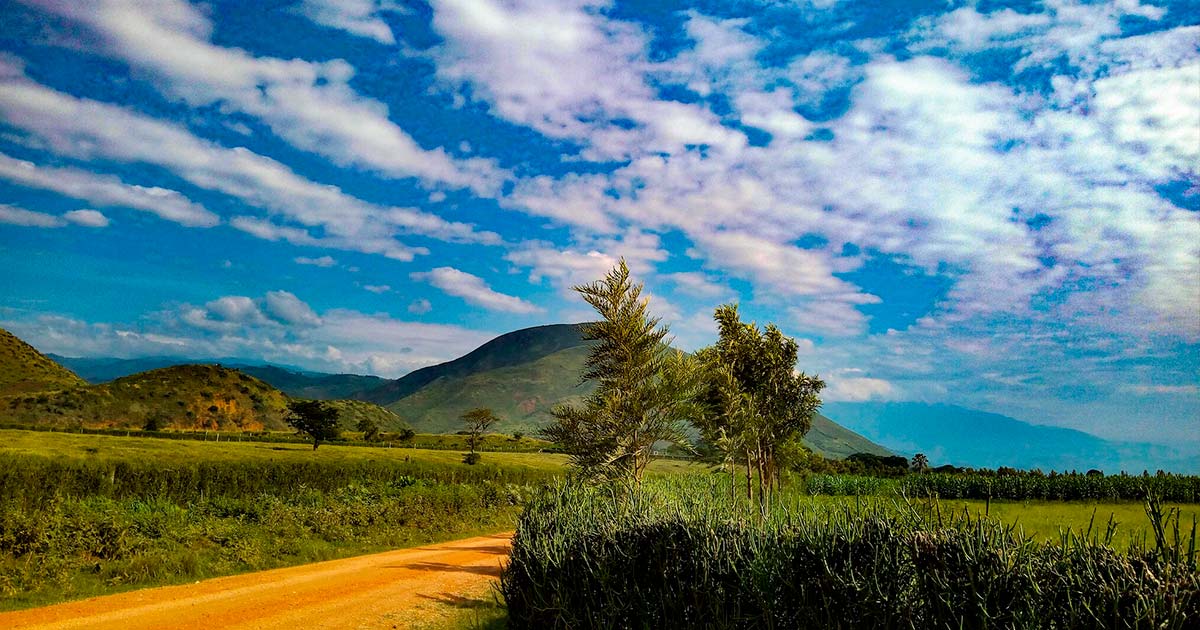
(508, 350)
(522, 375)
(23, 369)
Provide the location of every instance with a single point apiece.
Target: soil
(395, 589)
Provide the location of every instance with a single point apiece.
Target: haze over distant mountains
(523, 374)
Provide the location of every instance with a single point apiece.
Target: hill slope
(948, 434)
(292, 382)
(23, 369)
(192, 397)
(511, 349)
(524, 392)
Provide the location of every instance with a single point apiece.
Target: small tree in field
(313, 418)
(920, 463)
(477, 421)
(644, 389)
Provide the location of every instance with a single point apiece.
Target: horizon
(991, 206)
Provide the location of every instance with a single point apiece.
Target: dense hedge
(684, 554)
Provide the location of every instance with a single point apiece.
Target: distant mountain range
(948, 434)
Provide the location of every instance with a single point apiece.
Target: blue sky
(988, 204)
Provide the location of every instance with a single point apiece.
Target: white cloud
(339, 341)
(309, 104)
(87, 129)
(88, 218)
(13, 215)
(420, 306)
(107, 191)
(849, 385)
(377, 288)
(289, 309)
(473, 289)
(360, 17)
(696, 284)
(321, 261)
(564, 69)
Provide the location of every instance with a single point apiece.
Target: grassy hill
(522, 395)
(350, 412)
(23, 369)
(190, 397)
(523, 392)
(512, 349)
(312, 385)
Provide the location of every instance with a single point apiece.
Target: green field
(76, 518)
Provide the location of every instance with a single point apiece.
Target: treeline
(1017, 487)
(688, 554)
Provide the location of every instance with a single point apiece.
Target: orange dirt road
(383, 590)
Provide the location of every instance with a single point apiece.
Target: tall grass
(682, 553)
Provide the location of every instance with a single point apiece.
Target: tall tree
(644, 389)
(756, 407)
(313, 418)
(477, 422)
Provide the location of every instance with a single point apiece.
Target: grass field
(166, 540)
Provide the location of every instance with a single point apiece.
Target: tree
(644, 389)
(920, 463)
(477, 422)
(369, 428)
(314, 419)
(755, 406)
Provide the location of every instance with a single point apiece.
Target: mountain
(313, 384)
(23, 369)
(178, 397)
(522, 375)
(291, 381)
(508, 350)
(948, 434)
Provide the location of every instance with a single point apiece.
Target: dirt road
(386, 590)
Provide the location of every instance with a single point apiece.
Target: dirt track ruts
(383, 590)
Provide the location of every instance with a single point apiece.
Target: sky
(986, 204)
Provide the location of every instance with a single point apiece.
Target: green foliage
(477, 421)
(315, 419)
(680, 553)
(755, 407)
(471, 458)
(24, 370)
(643, 388)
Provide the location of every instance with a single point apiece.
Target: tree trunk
(749, 477)
(316, 443)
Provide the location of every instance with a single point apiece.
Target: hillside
(23, 369)
(512, 349)
(948, 434)
(523, 392)
(190, 397)
(350, 412)
(293, 382)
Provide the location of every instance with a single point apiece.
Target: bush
(683, 554)
(471, 459)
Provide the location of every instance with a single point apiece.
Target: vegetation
(195, 397)
(681, 553)
(23, 369)
(477, 421)
(315, 419)
(643, 389)
(755, 407)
